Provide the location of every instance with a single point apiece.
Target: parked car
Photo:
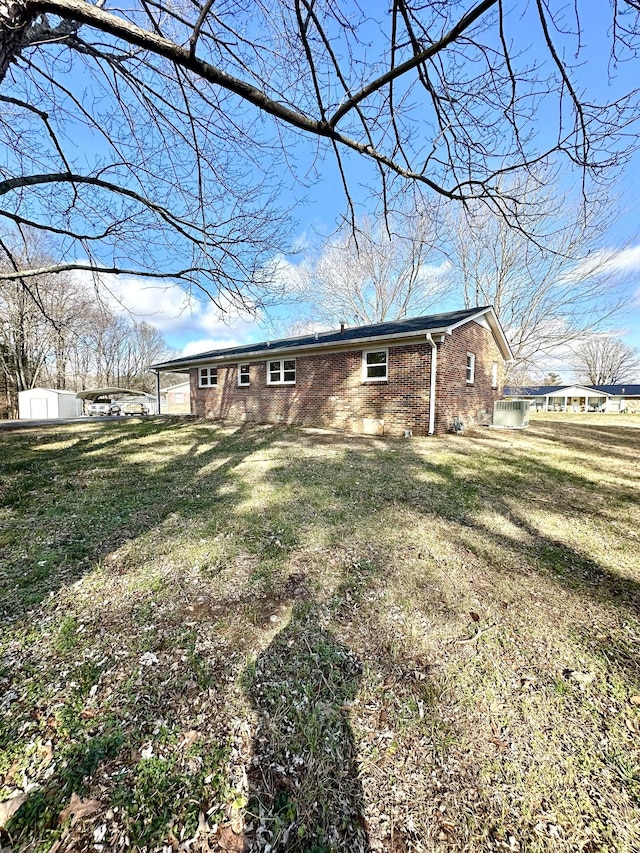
(110, 408)
(133, 408)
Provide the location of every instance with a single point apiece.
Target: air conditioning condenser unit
(511, 414)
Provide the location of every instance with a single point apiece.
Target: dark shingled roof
(382, 330)
(532, 390)
(623, 390)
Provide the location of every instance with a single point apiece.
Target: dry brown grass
(241, 639)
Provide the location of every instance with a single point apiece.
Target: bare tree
(146, 137)
(26, 333)
(545, 294)
(25, 340)
(40, 317)
(375, 270)
(55, 332)
(116, 350)
(604, 360)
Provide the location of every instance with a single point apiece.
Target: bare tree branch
(604, 360)
(167, 125)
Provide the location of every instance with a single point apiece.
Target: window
(375, 365)
(281, 372)
(243, 374)
(471, 368)
(207, 376)
(494, 374)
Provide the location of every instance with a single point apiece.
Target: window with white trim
(494, 374)
(207, 376)
(244, 377)
(471, 368)
(281, 372)
(375, 365)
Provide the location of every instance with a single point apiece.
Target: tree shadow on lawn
(612, 441)
(66, 509)
(88, 514)
(304, 789)
(335, 500)
(89, 740)
(99, 755)
(461, 490)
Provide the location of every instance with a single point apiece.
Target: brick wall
(329, 390)
(455, 398)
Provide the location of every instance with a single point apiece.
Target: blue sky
(197, 325)
(193, 325)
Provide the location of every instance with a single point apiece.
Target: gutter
(292, 351)
(432, 387)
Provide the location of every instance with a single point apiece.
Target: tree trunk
(15, 19)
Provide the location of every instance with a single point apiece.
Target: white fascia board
(496, 328)
(397, 339)
(174, 387)
(575, 391)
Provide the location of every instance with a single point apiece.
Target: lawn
(270, 639)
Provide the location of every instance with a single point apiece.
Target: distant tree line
(57, 332)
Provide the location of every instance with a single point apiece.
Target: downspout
(432, 387)
(157, 373)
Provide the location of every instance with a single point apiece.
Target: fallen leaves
(10, 806)
(453, 748)
(79, 809)
(229, 840)
(188, 738)
(583, 678)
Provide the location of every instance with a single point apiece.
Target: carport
(106, 395)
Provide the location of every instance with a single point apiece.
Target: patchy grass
(275, 639)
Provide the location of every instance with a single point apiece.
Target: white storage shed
(45, 403)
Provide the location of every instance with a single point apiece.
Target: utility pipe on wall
(432, 387)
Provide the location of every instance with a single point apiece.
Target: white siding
(47, 403)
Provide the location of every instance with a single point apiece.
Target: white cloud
(626, 260)
(179, 315)
(613, 262)
(207, 344)
(436, 271)
(285, 275)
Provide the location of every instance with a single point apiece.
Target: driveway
(27, 424)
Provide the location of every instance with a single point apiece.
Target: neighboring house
(418, 374)
(177, 399)
(579, 398)
(45, 403)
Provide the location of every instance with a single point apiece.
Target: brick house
(417, 374)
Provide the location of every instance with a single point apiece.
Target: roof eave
(354, 343)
